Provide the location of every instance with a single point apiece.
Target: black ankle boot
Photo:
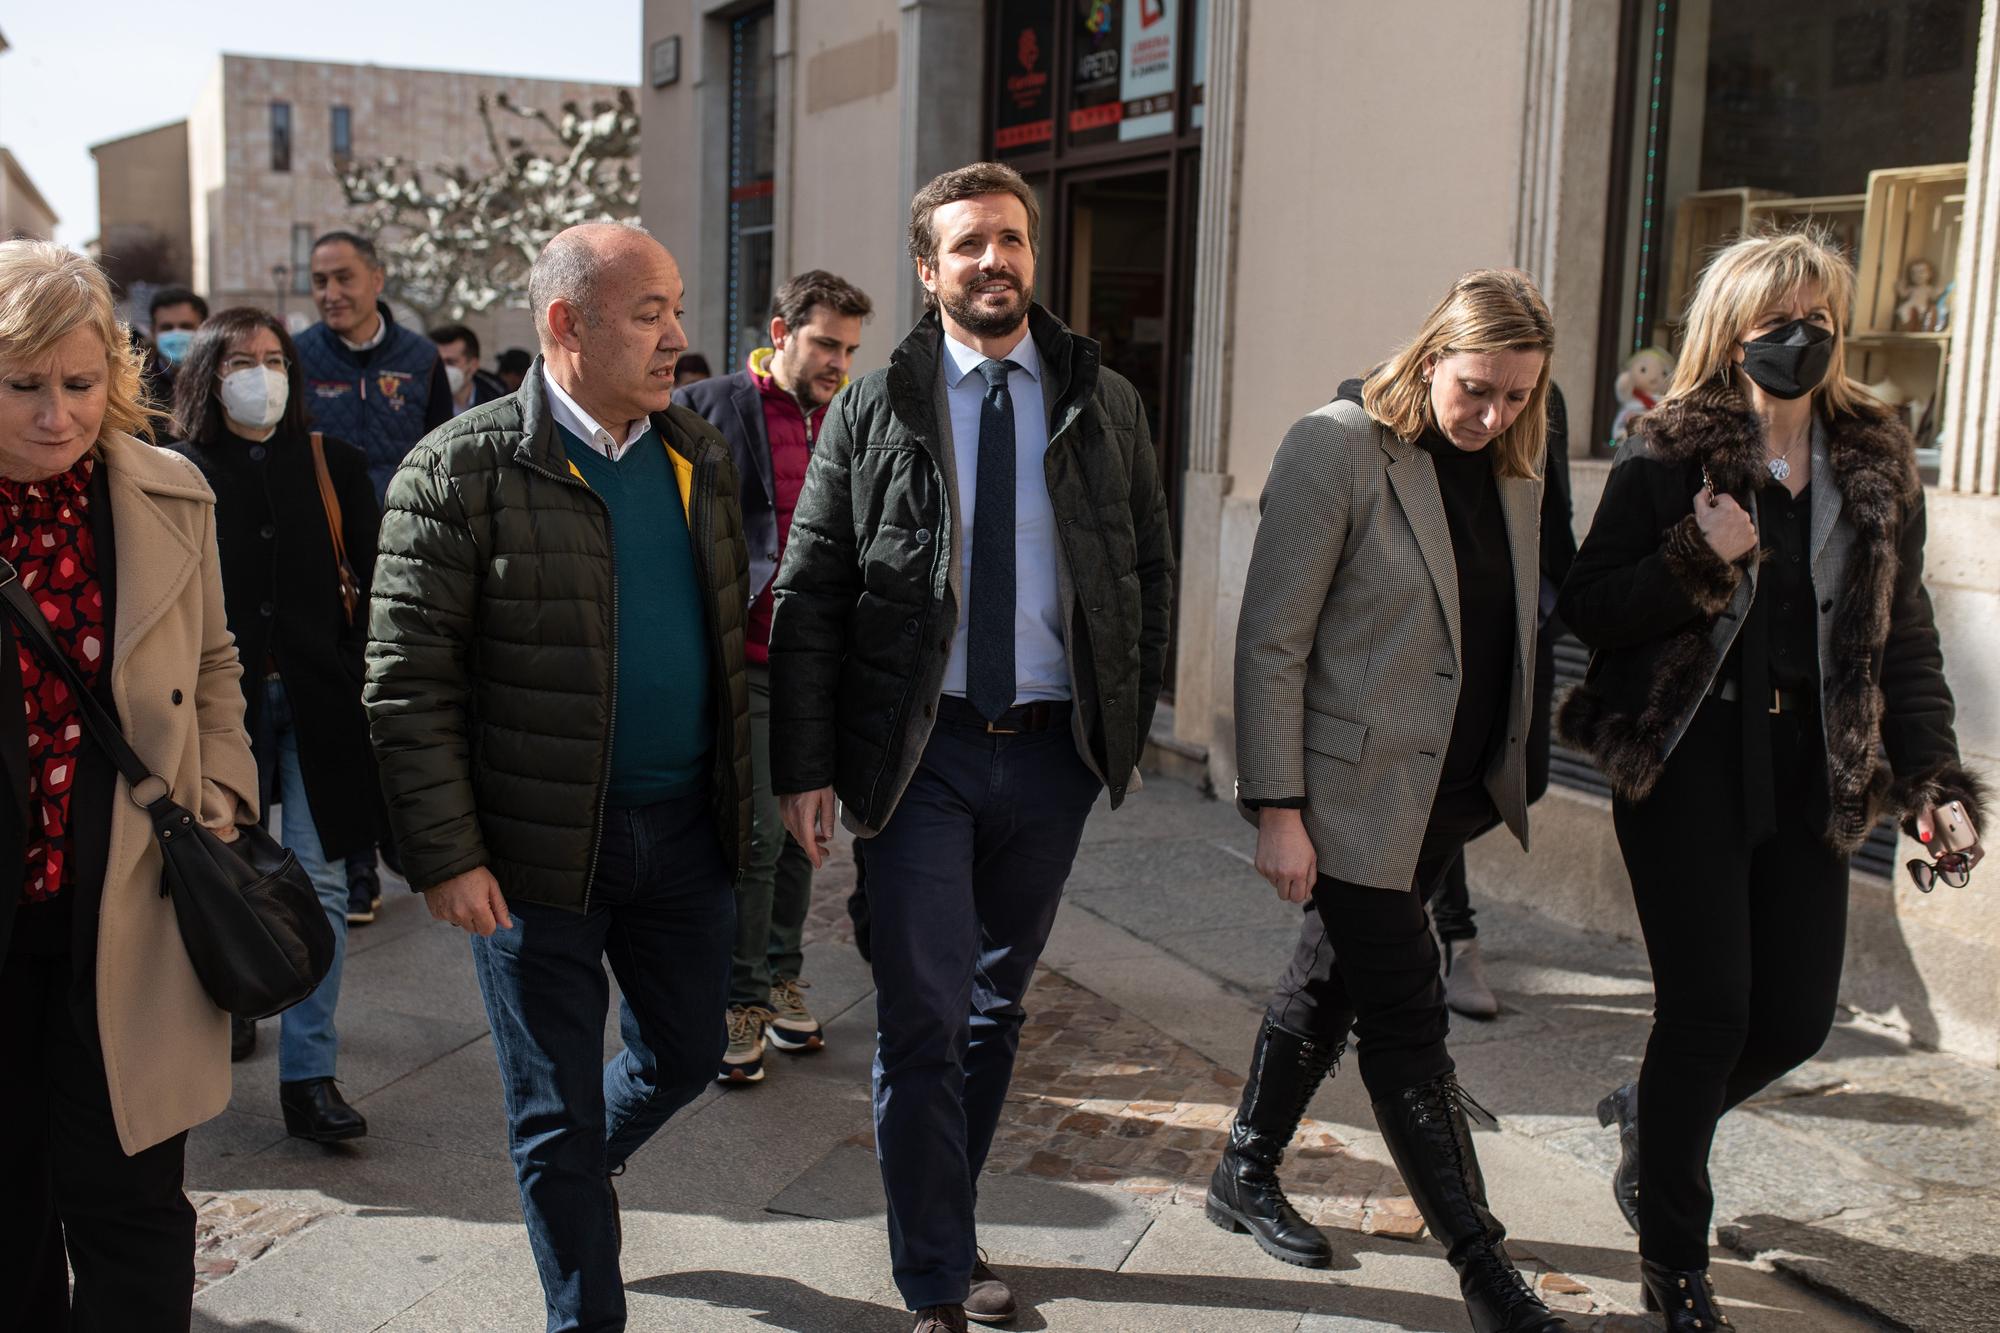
(1244, 1194)
(314, 1109)
(1426, 1132)
(1623, 1107)
(1684, 1295)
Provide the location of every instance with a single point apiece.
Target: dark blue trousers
(963, 885)
(663, 912)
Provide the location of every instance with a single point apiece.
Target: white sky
(82, 73)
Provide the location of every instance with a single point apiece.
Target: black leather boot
(1244, 1194)
(314, 1109)
(1427, 1135)
(1622, 1106)
(242, 1039)
(1685, 1296)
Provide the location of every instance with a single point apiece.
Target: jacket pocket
(1334, 737)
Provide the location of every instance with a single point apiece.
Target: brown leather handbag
(350, 587)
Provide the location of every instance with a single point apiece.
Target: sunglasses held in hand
(1954, 868)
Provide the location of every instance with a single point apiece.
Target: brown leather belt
(1021, 718)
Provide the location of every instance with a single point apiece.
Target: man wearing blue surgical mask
(173, 315)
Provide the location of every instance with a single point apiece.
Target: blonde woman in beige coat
(110, 1047)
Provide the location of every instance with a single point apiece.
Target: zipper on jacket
(604, 771)
(701, 532)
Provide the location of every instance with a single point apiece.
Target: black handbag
(249, 915)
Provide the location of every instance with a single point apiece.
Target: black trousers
(1374, 968)
(68, 1187)
(1746, 945)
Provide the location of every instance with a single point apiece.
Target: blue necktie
(989, 661)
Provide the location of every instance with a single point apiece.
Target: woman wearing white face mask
(298, 611)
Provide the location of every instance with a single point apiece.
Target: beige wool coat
(1347, 649)
(176, 681)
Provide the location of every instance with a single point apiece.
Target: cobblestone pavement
(231, 1230)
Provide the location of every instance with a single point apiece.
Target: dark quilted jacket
(491, 649)
(868, 593)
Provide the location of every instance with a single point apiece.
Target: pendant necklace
(1780, 469)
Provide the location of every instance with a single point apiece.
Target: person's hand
(1723, 522)
(471, 901)
(226, 832)
(808, 817)
(1285, 854)
(1927, 834)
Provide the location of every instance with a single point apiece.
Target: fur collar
(1873, 465)
(1871, 452)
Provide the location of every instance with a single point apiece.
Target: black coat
(868, 596)
(283, 596)
(1657, 607)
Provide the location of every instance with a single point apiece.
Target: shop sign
(1096, 95)
(1025, 117)
(1146, 83)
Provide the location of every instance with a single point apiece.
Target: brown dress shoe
(940, 1319)
(988, 1301)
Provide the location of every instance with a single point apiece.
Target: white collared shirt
(1041, 663)
(381, 332)
(570, 415)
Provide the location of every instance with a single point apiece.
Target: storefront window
(752, 182)
(1854, 118)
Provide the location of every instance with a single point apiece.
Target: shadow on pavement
(786, 1303)
(1907, 1287)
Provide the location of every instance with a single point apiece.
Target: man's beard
(962, 305)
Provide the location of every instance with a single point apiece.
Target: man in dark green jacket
(557, 697)
(970, 634)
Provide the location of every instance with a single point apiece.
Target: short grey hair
(567, 270)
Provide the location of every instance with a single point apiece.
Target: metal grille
(1573, 769)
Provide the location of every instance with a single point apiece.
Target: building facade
(144, 228)
(1248, 201)
(266, 136)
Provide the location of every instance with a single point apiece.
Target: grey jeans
(776, 888)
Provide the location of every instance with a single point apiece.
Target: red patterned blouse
(46, 535)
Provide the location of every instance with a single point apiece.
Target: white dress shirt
(1041, 664)
(569, 414)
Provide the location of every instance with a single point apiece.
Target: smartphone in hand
(1954, 828)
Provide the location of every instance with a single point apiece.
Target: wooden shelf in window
(1937, 340)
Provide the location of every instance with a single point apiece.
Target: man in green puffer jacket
(970, 634)
(556, 694)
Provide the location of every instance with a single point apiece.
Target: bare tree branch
(459, 239)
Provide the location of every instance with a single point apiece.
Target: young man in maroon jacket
(770, 412)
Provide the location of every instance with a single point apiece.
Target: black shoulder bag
(250, 918)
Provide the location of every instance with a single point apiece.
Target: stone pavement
(761, 1208)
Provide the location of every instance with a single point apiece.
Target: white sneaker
(1465, 988)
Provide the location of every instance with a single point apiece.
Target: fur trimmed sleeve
(1709, 580)
(1939, 786)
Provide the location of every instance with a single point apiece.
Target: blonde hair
(1745, 280)
(1488, 310)
(48, 293)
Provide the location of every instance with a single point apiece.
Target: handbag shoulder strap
(328, 500)
(102, 727)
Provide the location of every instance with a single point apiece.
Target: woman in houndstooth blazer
(1384, 673)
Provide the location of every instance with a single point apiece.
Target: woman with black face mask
(1752, 592)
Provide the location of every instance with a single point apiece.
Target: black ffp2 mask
(1791, 360)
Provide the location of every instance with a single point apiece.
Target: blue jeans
(663, 912)
(306, 1039)
(963, 885)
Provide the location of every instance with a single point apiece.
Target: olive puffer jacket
(493, 646)
(868, 597)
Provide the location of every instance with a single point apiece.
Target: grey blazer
(1347, 651)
